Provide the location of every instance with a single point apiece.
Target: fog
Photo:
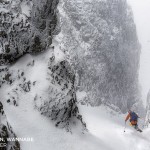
(141, 11)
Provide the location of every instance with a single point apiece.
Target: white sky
(141, 10)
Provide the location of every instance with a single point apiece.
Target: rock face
(100, 39)
(61, 104)
(147, 119)
(26, 26)
(6, 132)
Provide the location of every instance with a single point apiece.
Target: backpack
(134, 116)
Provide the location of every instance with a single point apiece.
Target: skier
(133, 120)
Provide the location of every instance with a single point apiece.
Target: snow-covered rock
(48, 82)
(27, 26)
(100, 39)
(147, 119)
(6, 132)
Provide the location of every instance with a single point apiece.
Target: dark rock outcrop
(26, 27)
(6, 132)
(61, 104)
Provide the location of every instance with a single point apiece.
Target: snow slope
(108, 126)
(105, 127)
(105, 131)
(27, 122)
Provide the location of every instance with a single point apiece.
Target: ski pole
(125, 127)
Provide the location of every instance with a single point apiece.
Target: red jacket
(132, 122)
